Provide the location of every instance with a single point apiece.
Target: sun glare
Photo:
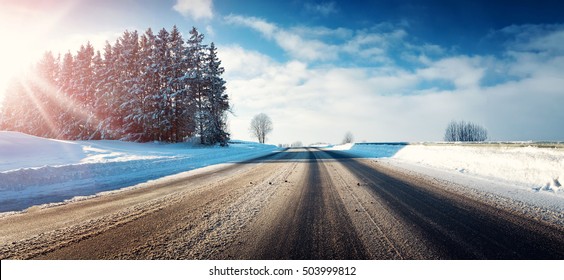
(24, 29)
(15, 57)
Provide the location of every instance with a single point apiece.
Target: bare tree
(465, 132)
(349, 138)
(261, 125)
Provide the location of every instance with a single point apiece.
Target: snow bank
(36, 170)
(540, 169)
(18, 150)
(342, 147)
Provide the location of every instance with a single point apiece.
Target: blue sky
(384, 70)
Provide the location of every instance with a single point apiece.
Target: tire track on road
(457, 227)
(309, 222)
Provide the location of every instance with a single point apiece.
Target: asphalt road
(296, 204)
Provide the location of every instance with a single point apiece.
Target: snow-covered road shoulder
(36, 170)
(539, 169)
(536, 168)
(530, 174)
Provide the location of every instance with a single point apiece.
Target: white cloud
(372, 46)
(210, 31)
(303, 49)
(319, 32)
(321, 104)
(324, 9)
(196, 9)
(535, 50)
(296, 46)
(313, 104)
(543, 39)
(517, 96)
(324, 44)
(464, 72)
(241, 64)
(553, 42)
(265, 28)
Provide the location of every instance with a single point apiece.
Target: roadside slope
(35, 171)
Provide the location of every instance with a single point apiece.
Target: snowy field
(36, 170)
(530, 174)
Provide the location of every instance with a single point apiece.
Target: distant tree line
(153, 87)
(465, 132)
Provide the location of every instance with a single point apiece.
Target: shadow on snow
(55, 193)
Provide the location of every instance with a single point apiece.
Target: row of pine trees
(149, 87)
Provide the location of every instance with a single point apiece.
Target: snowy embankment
(36, 170)
(536, 169)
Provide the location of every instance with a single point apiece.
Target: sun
(15, 58)
(25, 26)
(18, 48)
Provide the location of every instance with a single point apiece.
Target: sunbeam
(24, 27)
(40, 107)
(45, 98)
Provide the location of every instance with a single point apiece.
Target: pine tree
(66, 119)
(30, 101)
(218, 103)
(45, 83)
(163, 99)
(94, 121)
(195, 78)
(176, 84)
(84, 95)
(129, 89)
(106, 85)
(149, 85)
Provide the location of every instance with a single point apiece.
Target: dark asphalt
(455, 227)
(316, 224)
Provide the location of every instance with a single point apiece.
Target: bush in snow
(348, 138)
(465, 132)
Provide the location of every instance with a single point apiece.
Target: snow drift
(540, 169)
